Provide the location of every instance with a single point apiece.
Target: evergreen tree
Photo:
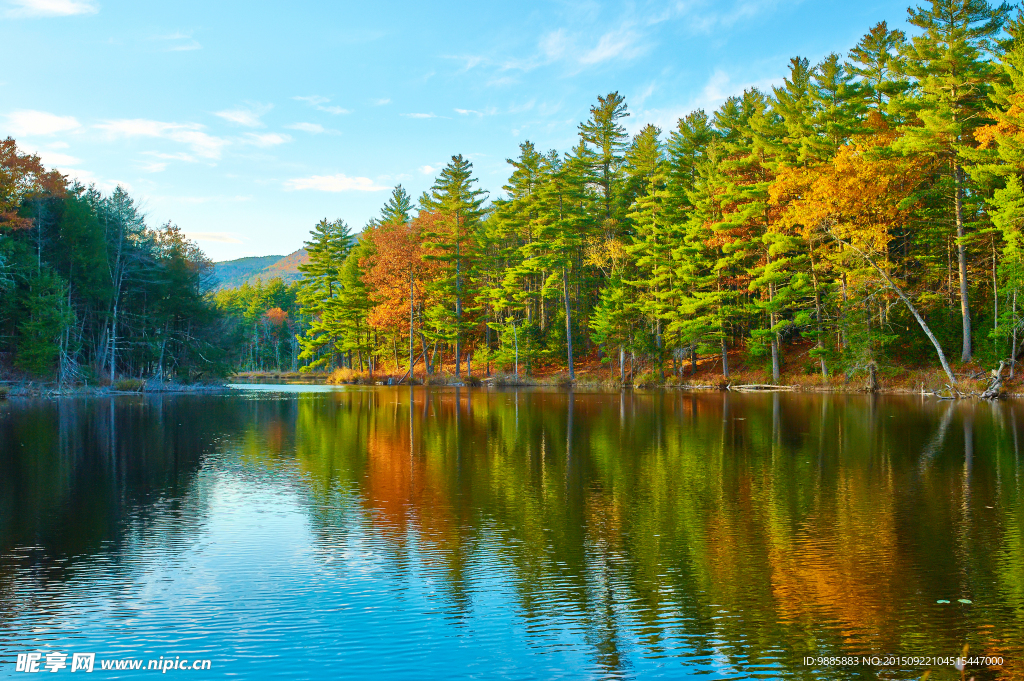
(950, 62)
(877, 61)
(455, 243)
(320, 294)
(397, 209)
(604, 141)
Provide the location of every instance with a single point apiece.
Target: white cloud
(180, 42)
(248, 115)
(314, 128)
(467, 112)
(186, 47)
(50, 8)
(469, 61)
(154, 167)
(88, 178)
(334, 183)
(420, 115)
(638, 100)
(427, 170)
(716, 90)
(720, 87)
(522, 108)
(622, 44)
(555, 44)
(699, 17)
(180, 156)
(319, 102)
(270, 139)
(190, 134)
(504, 80)
(28, 123)
(381, 102)
(53, 159)
(312, 100)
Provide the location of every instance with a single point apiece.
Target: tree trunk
(913, 310)
(113, 344)
(487, 342)
(661, 354)
(427, 359)
(817, 316)
(568, 322)
(961, 253)
(1013, 341)
(458, 298)
(160, 362)
(995, 290)
(775, 335)
(515, 337)
(412, 333)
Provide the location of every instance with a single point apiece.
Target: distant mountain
(234, 273)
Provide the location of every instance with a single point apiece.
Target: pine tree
(687, 150)
(455, 197)
(1001, 155)
(319, 295)
(878, 62)
(950, 61)
(397, 209)
(604, 143)
(654, 233)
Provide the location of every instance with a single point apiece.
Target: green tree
(604, 144)
(459, 202)
(950, 61)
(397, 209)
(877, 60)
(319, 294)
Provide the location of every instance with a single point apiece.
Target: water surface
(465, 533)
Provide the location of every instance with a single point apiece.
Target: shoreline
(51, 391)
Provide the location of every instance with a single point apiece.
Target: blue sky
(247, 122)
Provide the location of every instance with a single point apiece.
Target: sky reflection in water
(301, 533)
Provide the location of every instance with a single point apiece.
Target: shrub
(345, 376)
(648, 379)
(510, 380)
(129, 385)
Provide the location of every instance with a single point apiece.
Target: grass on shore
(129, 385)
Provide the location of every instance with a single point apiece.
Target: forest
(88, 292)
(866, 213)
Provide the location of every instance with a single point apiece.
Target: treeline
(866, 211)
(88, 292)
(261, 326)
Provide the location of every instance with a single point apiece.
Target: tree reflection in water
(740, 532)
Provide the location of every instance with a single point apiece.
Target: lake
(397, 533)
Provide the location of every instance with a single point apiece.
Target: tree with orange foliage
(391, 271)
(856, 201)
(22, 176)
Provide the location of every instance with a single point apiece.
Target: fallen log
(761, 387)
